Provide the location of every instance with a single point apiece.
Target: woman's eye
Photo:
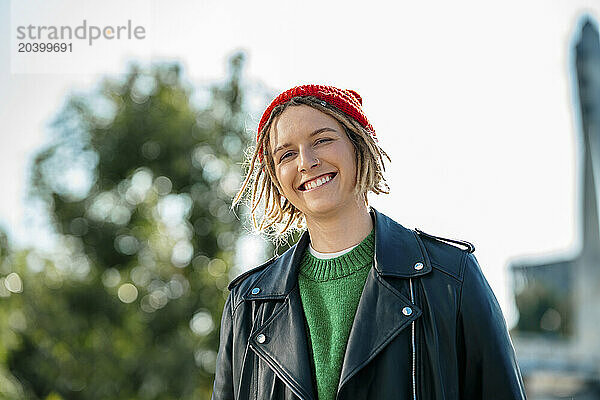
(283, 157)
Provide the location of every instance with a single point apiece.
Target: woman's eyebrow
(315, 132)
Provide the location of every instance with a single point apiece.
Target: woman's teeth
(317, 182)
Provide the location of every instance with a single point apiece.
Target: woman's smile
(317, 183)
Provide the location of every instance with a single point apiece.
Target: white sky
(472, 101)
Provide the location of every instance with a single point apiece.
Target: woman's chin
(322, 207)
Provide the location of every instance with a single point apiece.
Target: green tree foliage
(137, 183)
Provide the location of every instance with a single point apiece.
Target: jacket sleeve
(488, 367)
(223, 385)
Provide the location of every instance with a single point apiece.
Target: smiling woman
(316, 169)
(311, 125)
(360, 307)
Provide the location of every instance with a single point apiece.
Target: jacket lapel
(381, 313)
(285, 348)
(380, 319)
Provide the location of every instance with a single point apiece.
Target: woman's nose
(307, 160)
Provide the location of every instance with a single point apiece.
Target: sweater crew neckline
(350, 261)
(327, 256)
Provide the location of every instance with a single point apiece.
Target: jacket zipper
(414, 353)
(414, 381)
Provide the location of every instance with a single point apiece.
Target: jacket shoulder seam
(463, 265)
(231, 310)
(237, 280)
(236, 301)
(453, 242)
(234, 285)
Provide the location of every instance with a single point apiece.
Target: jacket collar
(399, 252)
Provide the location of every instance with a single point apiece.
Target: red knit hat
(347, 100)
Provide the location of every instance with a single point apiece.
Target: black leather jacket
(428, 326)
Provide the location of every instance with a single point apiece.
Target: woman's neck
(347, 228)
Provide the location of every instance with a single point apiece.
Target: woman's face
(300, 136)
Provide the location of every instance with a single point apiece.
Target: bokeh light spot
(163, 185)
(17, 320)
(140, 276)
(111, 277)
(158, 299)
(207, 359)
(202, 323)
(217, 267)
(14, 283)
(151, 150)
(182, 253)
(127, 293)
(126, 244)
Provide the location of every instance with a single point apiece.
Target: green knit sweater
(330, 290)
